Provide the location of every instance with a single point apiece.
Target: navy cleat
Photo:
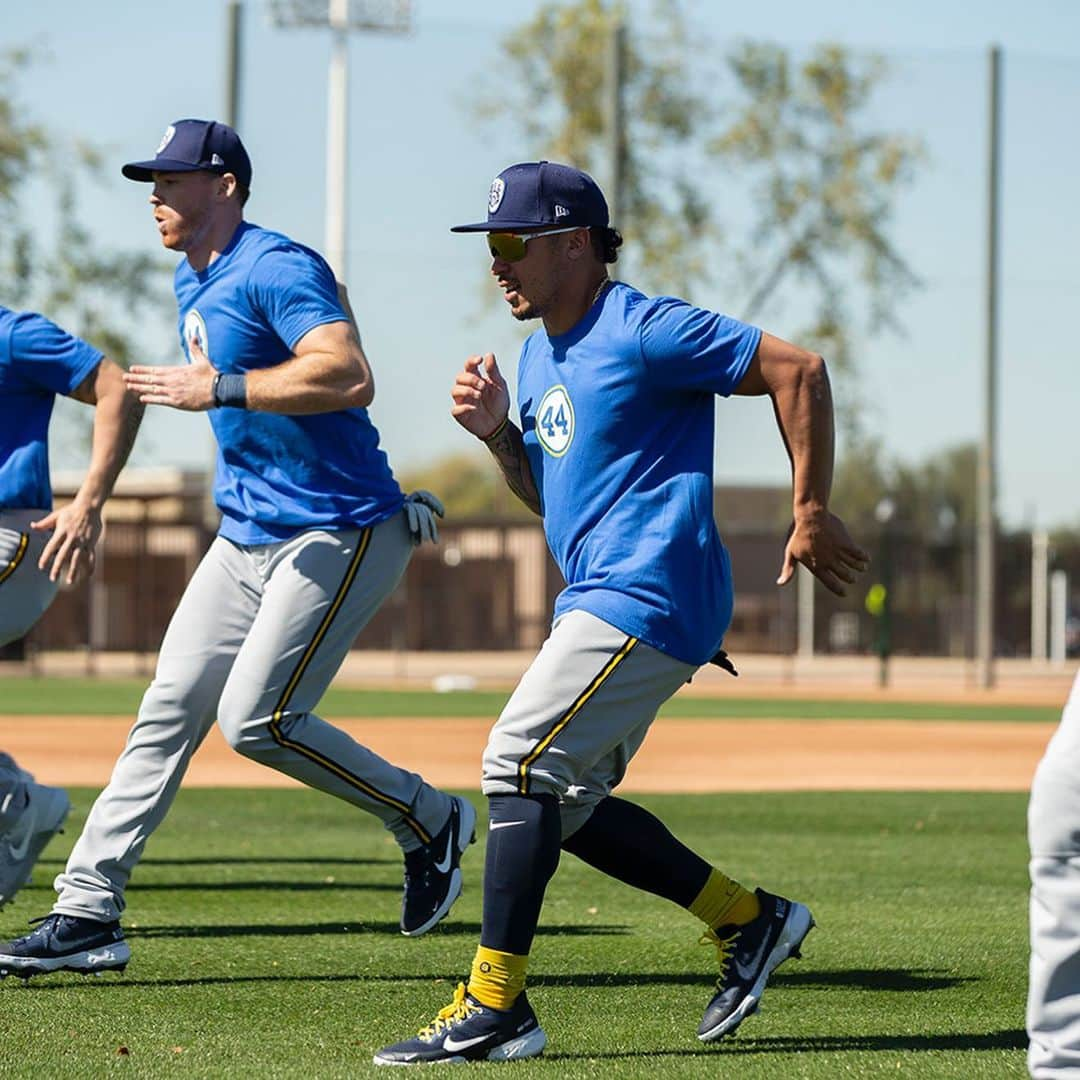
(36, 825)
(468, 1031)
(748, 955)
(66, 943)
(433, 872)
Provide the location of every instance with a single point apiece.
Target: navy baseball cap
(536, 194)
(196, 146)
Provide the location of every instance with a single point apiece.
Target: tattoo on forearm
(131, 421)
(508, 449)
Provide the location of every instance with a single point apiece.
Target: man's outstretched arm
(798, 384)
(76, 527)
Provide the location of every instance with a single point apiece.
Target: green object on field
(876, 597)
(263, 926)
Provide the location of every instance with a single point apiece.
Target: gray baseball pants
(1053, 1011)
(25, 593)
(257, 637)
(579, 714)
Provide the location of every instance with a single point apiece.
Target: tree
(22, 152)
(557, 101)
(66, 274)
(825, 191)
(933, 499)
(791, 140)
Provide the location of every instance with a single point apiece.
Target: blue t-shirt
(38, 360)
(279, 475)
(618, 421)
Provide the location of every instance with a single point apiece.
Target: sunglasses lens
(506, 246)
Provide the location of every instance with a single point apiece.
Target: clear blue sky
(116, 72)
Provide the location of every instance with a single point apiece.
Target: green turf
(104, 697)
(263, 926)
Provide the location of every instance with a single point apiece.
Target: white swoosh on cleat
(444, 863)
(452, 1045)
(503, 825)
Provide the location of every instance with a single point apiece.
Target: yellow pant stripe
(290, 688)
(605, 673)
(24, 543)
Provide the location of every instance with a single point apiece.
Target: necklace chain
(605, 281)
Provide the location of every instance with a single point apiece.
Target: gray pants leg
(25, 593)
(578, 716)
(1053, 1012)
(257, 637)
(310, 615)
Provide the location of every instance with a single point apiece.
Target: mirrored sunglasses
(510, 247)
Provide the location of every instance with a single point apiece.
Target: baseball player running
(41, 547)
(315, 534)
(614, 452)
(1053, 1007)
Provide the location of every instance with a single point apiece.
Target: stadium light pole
(234, 52)
(985, 576)
(234, 26)
(340, 16)
(614, 115)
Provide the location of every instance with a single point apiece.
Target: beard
(526, 310)
(526, 313)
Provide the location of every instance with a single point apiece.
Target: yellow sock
(723, 901)
(497, 977)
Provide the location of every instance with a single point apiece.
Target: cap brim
(144, 170)
(515, 226)
(476, 226)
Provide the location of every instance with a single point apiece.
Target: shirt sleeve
(689, 348)
(50, 357)
(295, 290)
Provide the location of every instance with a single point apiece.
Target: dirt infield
(679, 755)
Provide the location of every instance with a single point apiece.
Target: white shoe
(21, 845)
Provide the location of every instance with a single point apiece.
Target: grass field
(77, 696)
(264, 932)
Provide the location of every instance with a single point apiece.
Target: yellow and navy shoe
(66, 943)
(468, 1031)
(748, 955)
(433, 872)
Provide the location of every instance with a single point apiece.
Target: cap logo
(495, 195)
(216, 159)
(167, 138)
(561, 211)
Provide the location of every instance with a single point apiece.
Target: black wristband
(230, 390)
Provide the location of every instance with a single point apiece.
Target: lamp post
(986, 482)
(1040, 576)
(340, 16)
(879, 598)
